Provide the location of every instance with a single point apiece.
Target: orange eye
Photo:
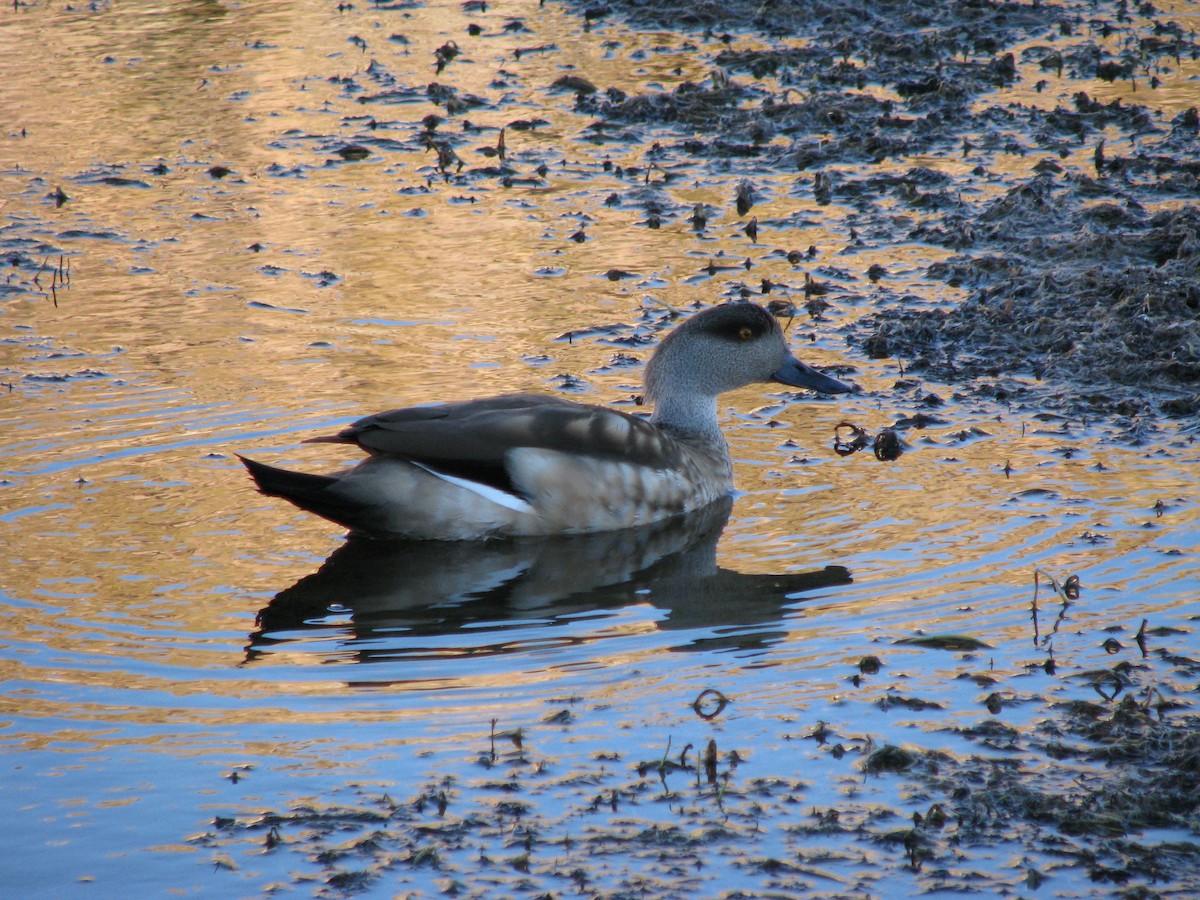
(745, 333)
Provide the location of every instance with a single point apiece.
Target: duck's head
(728, 347)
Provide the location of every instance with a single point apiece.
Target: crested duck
(391, 602)
(528, 464)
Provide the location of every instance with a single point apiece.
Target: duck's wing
(472, 439)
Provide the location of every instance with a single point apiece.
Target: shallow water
(150, 718)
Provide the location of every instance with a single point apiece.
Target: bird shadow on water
(384, 600)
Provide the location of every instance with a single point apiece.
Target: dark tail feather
(283, 483)
(309, 492)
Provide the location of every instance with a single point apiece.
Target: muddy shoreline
(1080, 299)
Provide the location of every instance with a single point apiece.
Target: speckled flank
(571, 495)
(583, 495)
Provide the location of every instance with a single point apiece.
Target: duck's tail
(309, 492)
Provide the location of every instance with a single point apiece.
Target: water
(150, 715)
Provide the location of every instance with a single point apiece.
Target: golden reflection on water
(118, 513)
(298, 291)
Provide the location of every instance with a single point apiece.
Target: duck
(528, 465)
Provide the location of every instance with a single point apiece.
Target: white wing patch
(486, 491)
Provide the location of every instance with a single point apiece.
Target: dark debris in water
(1078, 298)
(1108, 788)
(1116, 310)
(960, 643)
(615, 827)
(919, 51)
(1096, 811)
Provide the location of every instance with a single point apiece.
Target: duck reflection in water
(384, 600)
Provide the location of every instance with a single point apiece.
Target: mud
(1080, 297)
(1109, 787)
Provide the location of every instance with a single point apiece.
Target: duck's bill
(798, 374)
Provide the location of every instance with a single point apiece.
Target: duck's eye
(745, 333)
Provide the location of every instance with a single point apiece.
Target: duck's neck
(690, 416)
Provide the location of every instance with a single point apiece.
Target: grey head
(728, 347)
(717, 350)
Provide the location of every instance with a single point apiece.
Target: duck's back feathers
(472, 439)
